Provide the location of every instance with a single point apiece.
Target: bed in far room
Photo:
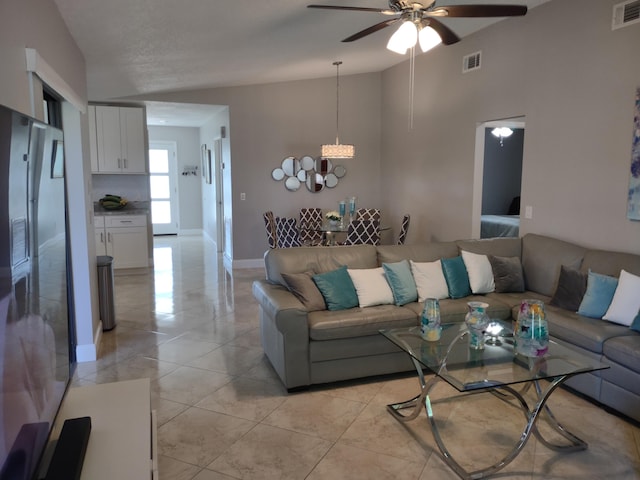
(499, 226)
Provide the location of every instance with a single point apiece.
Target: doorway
(162, 182)
(497, 184)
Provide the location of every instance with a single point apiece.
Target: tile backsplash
(134, 188)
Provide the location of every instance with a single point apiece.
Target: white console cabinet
(117, 139)
(123, 237)
(122, 443)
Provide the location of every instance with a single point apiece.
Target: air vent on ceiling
(625, 14)
(472, 61)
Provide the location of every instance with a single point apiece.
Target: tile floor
(193, 329)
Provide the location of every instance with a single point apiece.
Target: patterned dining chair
(310, 223)
(404, 228)
(363, 232)
(368, 214)
(287, 232)
(270, 226)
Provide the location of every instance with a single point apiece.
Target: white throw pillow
(371, 286)
(626, 300)
(480, 272)
(429, 279)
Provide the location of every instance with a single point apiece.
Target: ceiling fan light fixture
(501, 132)
(428, 39)
(404, 38)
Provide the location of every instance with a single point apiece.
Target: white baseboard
(190, 231)
(88, 352)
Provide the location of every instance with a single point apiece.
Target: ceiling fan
(416, 17)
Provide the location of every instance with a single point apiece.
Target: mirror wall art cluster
(315, 173)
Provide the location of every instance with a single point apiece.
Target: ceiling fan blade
(371, 29)
(446, 34)
(384, 11)
(478, 11)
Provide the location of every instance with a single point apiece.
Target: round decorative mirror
(330, 180)
(290, 166)
(315, 182)
(307, 162)
(340, 171)
(292, 184)
(302, 176)
(277, 174)
(323, 166)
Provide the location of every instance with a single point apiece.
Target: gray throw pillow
(572, 285)
(305, 289)
(507, 274)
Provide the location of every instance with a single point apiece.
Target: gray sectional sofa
(312, 347)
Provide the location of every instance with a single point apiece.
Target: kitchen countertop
(132, 208)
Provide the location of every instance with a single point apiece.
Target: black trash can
(106, 297)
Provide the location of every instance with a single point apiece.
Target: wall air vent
(472, 61)
(625, 14)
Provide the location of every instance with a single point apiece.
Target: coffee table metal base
(505, 393)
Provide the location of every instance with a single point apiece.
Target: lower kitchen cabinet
(123, 237)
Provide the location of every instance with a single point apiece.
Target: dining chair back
(404, 228)
(287, 232)
(363, 232)
(310, 226)
(368, 214)
(270, 226)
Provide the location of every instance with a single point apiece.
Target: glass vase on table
(352, 207)
(342, 209)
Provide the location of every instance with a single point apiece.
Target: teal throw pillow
(635, 325)
(455, 273)
(597, 298)
(401, 282)
(337, 289)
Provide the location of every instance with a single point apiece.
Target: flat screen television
(36, 339)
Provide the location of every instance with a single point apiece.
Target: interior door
(163, 181)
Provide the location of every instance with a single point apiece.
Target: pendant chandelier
(337, 150)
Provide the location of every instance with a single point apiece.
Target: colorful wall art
(633, 210)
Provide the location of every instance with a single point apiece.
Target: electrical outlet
(528, 212)
(243, 196)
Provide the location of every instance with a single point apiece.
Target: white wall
(571, 77)
(189, 187)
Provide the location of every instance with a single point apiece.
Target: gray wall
(572, 77)
(270, 122)
(37, 24)
(189, 187)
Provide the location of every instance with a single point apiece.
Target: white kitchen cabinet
(93, 140)
(123, 237)
(120, 140)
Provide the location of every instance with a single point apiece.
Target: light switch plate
(528, 212)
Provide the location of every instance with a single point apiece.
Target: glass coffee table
(497, 370)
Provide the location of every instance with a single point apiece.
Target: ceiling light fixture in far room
(501, 133)
(337, 150)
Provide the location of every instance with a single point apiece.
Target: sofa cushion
(455, 273)
(584, 332)
(597, 298)
(479, 271)
(305, 289)
(318, 259)
(401, 282)
(430, 281)
(635, 325)
(357, 322)
(624, 350)
(572, 285)
(371, 286)
(500, 246)
(337, 289)
(610, 263)
(626, 300)
(507, 274)
(542, 258)
(427, 252)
